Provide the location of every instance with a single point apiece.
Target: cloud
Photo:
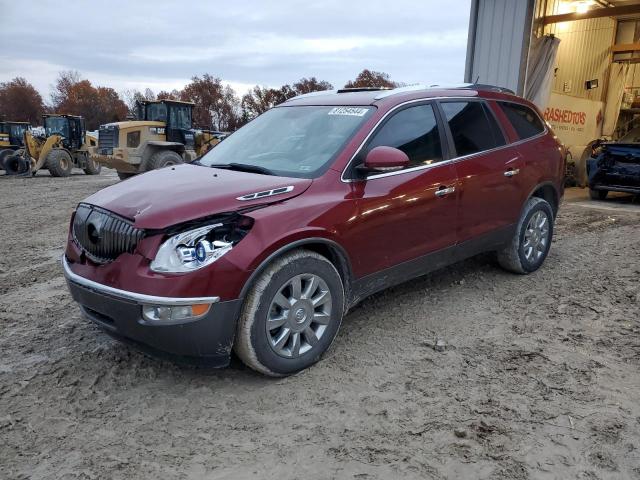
(161, 45)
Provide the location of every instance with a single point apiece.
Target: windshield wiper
(243, 167)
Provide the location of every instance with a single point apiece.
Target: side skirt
(375, 282)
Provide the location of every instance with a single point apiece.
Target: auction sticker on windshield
(353, 111)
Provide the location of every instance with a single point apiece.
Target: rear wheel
(163, 158)
(530, 245)
(598, 194)
(16, 164)
(59, 163)
(291, 314)
(92, 167)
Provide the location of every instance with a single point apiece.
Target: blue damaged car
(616, 168)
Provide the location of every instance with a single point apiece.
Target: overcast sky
(161, 44)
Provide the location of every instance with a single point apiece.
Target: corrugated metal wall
(499, 43)
(584, 53)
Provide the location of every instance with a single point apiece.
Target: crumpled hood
(172, 195)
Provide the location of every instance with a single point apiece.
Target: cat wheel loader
(162, 135)
(11, 139)
(64, 146)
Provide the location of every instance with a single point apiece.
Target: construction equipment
(162, 135)
(65, 145)
(11, 139)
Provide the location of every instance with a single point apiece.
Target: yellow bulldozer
(162, 135)
(64, 145)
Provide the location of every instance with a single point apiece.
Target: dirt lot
(540, 378)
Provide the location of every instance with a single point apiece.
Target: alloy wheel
(536, 236)
(298, 315)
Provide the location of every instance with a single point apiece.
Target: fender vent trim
(265, 193)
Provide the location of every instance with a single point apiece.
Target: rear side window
(473, 128)
(524, 120)
(413, 130)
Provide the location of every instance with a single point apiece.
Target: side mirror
(385, 159)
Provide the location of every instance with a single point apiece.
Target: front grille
(108, 139)
(104, 235)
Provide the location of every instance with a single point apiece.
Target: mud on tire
(526, 252)
(258, 328)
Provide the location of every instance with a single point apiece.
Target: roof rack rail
(362, 89)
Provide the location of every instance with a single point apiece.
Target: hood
(168, 196)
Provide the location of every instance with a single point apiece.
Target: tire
(92, 167)
(4, 154)
(16, 165)
(163, 158)
(598, 194)
(125, 175)
(59, 163)
(530, 245)
(257, 345)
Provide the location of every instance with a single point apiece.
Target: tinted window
(524, 120)
(473, 128)
(414, 131)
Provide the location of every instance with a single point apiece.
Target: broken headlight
(197, 248)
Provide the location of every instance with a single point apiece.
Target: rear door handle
(442, 191)
(512, 172)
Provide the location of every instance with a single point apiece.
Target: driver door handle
(442, 191)
(511, 172)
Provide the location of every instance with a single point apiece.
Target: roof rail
(362, 89)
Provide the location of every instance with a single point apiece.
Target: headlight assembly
(194, 249)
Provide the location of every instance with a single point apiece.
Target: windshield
(156, 112)
(291, 141)
(633, 136)
(56, 126)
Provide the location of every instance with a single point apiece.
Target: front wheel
(163, 158)
(291, 314)
(532, 239)
(59, 163)
(598, 194)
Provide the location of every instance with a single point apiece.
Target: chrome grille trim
(103, 235)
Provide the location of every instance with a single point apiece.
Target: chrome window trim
(441, 162)
(134, 297)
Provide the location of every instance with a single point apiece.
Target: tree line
(217, 105)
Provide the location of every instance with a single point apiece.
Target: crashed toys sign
(576, 121)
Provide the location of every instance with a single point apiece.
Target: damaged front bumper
(204, 340)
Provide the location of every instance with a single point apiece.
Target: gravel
(539, 378)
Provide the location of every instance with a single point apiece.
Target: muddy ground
(540, 378)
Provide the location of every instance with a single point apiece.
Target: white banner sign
(576, 121)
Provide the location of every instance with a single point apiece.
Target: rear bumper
(205, 340)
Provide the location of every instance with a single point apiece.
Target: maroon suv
(264, 243)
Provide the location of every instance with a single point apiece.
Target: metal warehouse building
(578, 60)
